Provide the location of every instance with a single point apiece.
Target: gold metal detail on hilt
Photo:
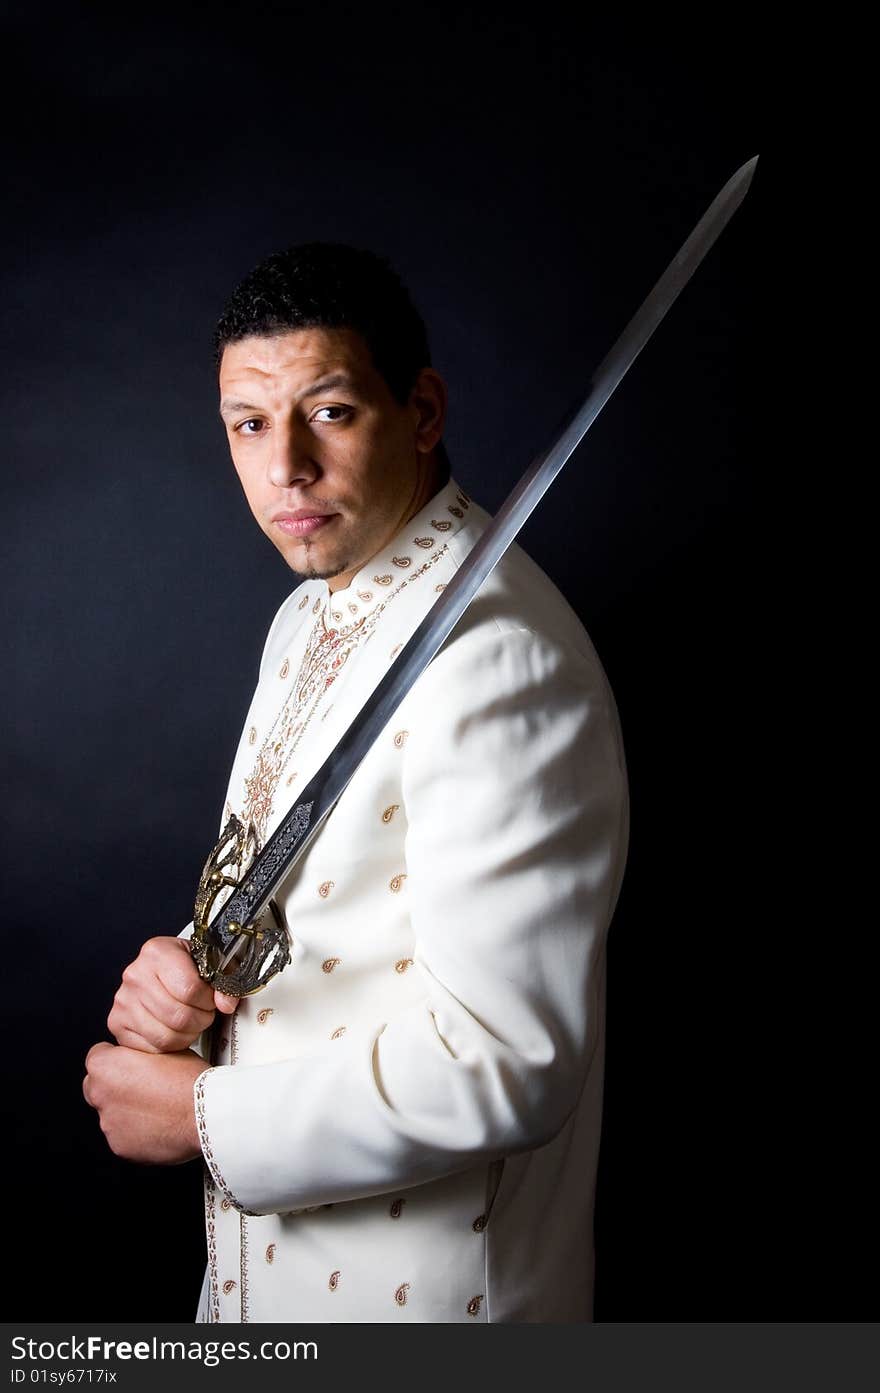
(259, 950)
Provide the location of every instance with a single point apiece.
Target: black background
(530, 178)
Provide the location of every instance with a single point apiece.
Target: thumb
(225, 1003)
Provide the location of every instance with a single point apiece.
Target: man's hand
(145, 1102)
(163, 1005)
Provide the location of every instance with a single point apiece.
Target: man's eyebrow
(339, 379)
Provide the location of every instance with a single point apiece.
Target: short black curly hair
(332, 285)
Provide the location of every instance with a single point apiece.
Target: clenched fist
(145, 1103)
(163, 1005)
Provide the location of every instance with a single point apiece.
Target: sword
(238, 950)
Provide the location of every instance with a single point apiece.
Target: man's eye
(254, 421)
(345, 410)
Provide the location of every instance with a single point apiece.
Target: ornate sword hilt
(260, 949)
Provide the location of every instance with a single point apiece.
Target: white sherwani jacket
(404, 1124)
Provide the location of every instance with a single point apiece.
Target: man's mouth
(302, 523)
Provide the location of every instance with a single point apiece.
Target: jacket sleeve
(515, 794)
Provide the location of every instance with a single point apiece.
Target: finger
(226, 1003)
(156, 1031)
(180, 978)
(171, 963)
(133, 1041)
(138, 1007)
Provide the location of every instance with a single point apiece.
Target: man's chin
(313, 569)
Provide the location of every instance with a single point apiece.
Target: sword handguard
(259, 950)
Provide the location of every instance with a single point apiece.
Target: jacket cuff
(205, 1142)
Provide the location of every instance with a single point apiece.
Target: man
(404, 1124)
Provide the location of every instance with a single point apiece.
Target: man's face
(331, 464)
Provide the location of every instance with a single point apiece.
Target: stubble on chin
(310, 570)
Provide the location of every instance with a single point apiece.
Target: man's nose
(291, 460)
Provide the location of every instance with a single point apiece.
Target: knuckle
(191, 989)
(166, 1040)
(180, 1020)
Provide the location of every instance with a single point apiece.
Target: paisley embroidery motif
(229, 1286)
(316, 606)
(285, 669)
(383, 580)
(252, 735)
(396, 882)
(397, 1208)
(402, 964)
(334, 1279)
(424, 541)
(365, 595)
(226, 1205)
(479, 1223)
(303, 602)
(457, 511)
(340, 1030)
(270, 1253)
(390, 811)
(399, 738)
(325, 887)
(400, 1294)
(394, 652)
(263, 1016)
(402, 561)
(352, 607)
(441, 586)
(441, 526)
(473, 1306)
(329, 963)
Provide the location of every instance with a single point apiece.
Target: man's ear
(427, 401)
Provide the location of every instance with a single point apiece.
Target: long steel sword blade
(293, 835)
